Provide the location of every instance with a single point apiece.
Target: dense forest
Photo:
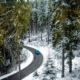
(18, 18)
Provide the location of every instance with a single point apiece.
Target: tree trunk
(41, 35)
(70, 63)
(63, 62)
(48, 34)
(31, 24)
(36, 20)
(36, 24)
(29, 33)
(5, 59)
(19, 67)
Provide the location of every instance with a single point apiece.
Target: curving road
(29, 69)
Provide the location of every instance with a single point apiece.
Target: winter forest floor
(47, 49)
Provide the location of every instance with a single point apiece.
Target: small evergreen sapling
(36, 74)
(49, 72)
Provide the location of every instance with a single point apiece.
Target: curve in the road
(38, 59)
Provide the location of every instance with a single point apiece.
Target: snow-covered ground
(46, 49)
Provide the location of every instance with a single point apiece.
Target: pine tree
(41, 16)
(48, 16)
(65, 26)
(58, 33)
(14, 20)
(34, 16)
(49, 73)
(36, 74)
(71, 27)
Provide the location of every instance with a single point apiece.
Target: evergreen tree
(58, 33)
(36, 74)
(49, 73)
(48, 16)
(34, 16)
(65, 26)
(41, 16)
(71, 28)
(14, 20)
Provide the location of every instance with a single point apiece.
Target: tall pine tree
(65, 26)
(14, 20)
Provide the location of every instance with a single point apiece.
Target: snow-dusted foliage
(36, 75)
(49, 73)
(41, 14)
(65, 26)
(14, 18)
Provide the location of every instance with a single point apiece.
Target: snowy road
(38, 59)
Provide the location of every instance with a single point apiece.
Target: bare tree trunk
(31, 24)
(36, 20)
(41, 35)
(19, 67)
(29, 33)
(48, 30)
(70, 63)
(5, 61)
(48, 34)
(63, 62)
(4, 58)
(36, 25)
